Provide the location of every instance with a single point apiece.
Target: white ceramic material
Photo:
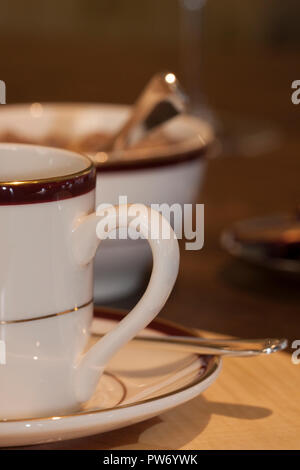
(48, 240)
(141, 381)
(119, 271)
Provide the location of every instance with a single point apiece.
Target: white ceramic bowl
(167, 174)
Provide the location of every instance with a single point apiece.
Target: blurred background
(78, 49)
(237, 60)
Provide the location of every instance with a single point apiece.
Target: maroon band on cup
(47, 190)
(157, 162)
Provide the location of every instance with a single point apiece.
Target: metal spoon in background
(161, 100)
(219, 347)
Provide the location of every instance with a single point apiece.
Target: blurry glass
(239, 135)
(191, 53)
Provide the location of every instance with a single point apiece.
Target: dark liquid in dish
(275, 238)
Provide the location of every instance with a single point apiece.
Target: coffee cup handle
(87, 234)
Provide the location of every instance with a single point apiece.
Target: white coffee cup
(49, 235)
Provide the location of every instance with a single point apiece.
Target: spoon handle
(222, 347)
(161, 100)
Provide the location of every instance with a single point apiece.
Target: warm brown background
(106, 50)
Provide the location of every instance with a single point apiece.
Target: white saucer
(140, 382)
